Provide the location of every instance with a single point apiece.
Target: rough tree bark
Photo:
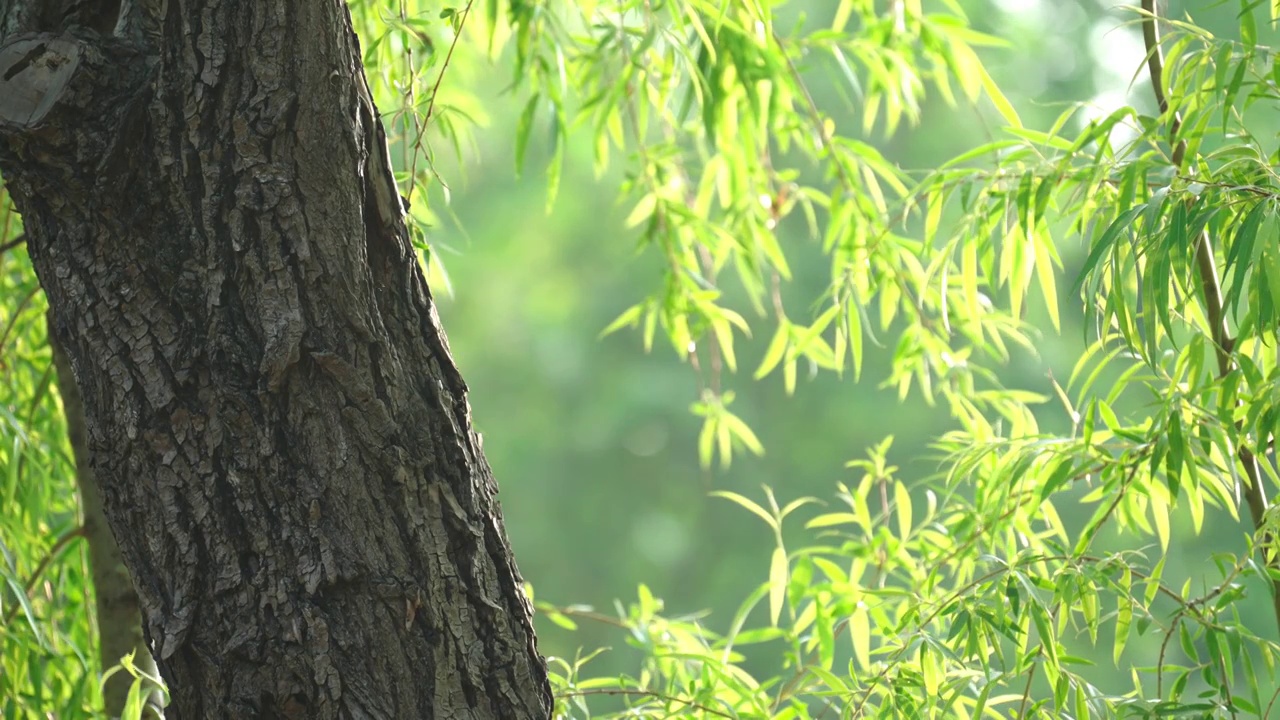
(115, 602)
(281, 437)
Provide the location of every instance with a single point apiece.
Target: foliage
(46, 640)
(984, 599)
(962, 593)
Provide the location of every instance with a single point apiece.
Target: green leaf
(642, 211)
(982, 151)
(749, 505)
(724, 339)
(561, 619)
(860, 635)
(524, 127)
(998, 99)
(1105, 243)
(1042, 246)
(742, 433)
(931, 670)
(777, 347)
(628, 318)
(28, 611)
(853, 316)
(706, 440)
(1271, 271)
(1173, 462)
(902, 507)
(1241, 254)
(133, 704)
(777, 584)
(1248, 28)
(1160, 516)
(969, 277)
(1040, 138)
(724, 442)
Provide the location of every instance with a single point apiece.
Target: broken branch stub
(35, 72)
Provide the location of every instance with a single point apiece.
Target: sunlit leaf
(748, 504)
(777, 584)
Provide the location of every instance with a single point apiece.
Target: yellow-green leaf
(777, 583)
(706, 441)
(829, 519)
(1046, 275)
(931, 669)
(997, 98)
(724, 338)
(725, 442)
(854, 317)
(1124, 616)
(1160, 514)
(777, 347)
(748, 504)
(902, 505)
(743, 433)
(642, 210)
(629, 317)
(860, 634)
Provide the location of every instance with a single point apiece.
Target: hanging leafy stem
(1207, 271)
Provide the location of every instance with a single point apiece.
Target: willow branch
(1207, 269)
(53, 553)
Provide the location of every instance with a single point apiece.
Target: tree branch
(58, 546)
(1206, 267)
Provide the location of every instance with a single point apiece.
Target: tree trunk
(281, 437)
(115, 602)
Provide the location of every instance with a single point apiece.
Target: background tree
(1044, 512)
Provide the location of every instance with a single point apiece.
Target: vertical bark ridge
(115, 602)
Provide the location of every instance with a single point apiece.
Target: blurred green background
(592, 441)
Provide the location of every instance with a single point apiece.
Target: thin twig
(649, 694)
(584, 614)
(20, 240)
(48, 558)
(1206, 267)
(17, 314)
(1031, 676)
(435, 91)
(1274, 696)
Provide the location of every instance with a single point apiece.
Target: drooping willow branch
(1206, 267)
(54, 552)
